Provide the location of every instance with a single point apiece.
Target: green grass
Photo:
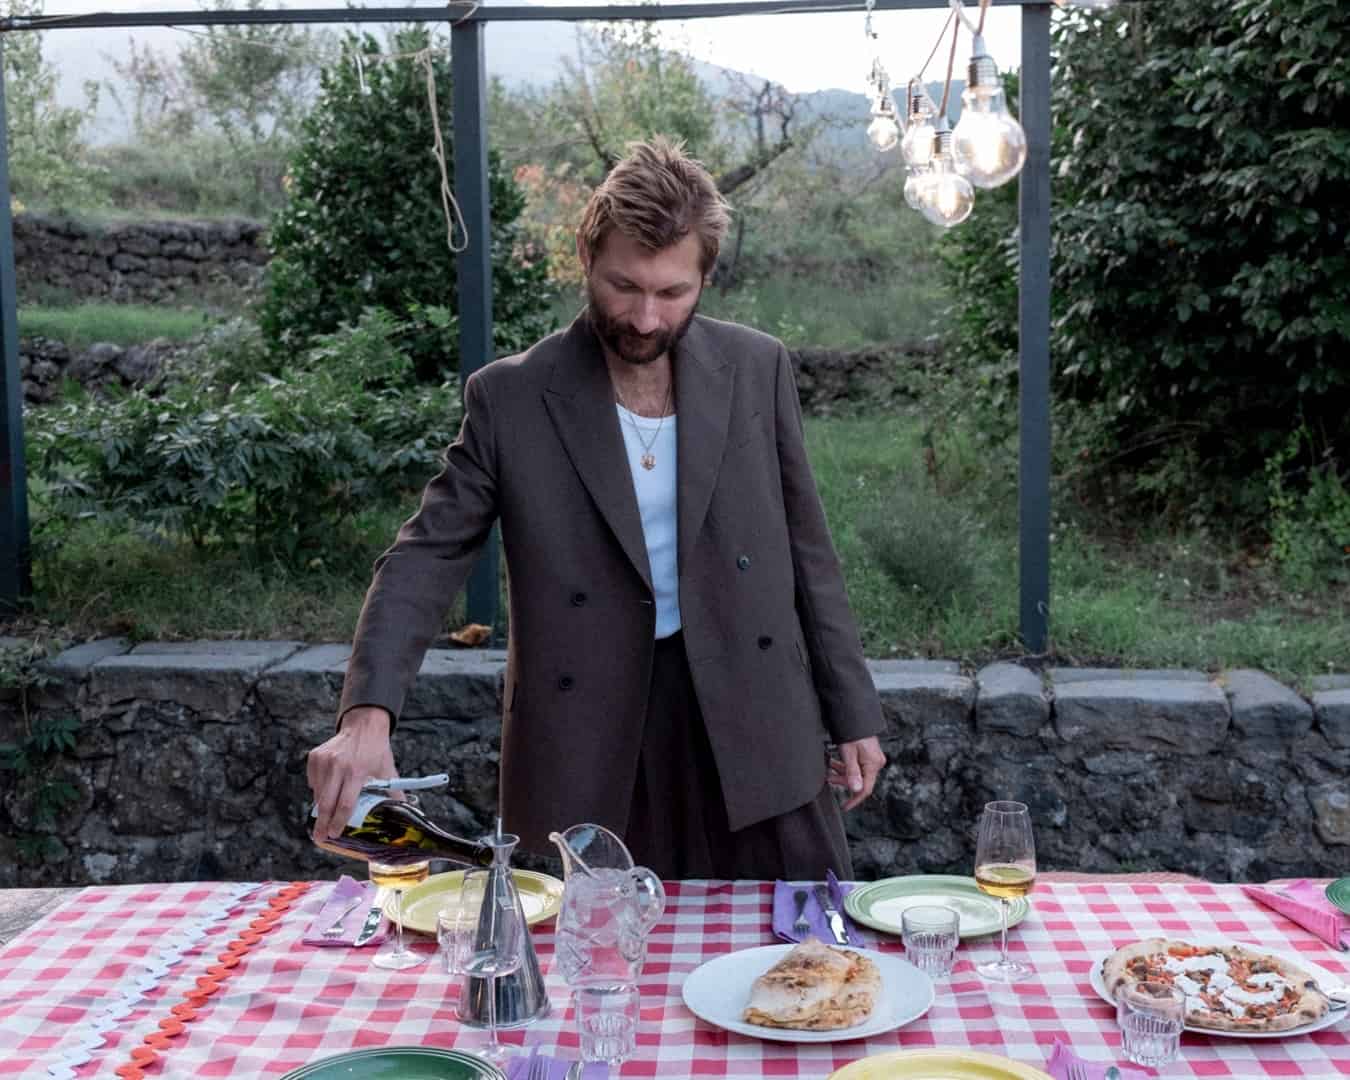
(1160, 600)
(82, 325)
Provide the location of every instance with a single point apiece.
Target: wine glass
(1005, 866)
(484, 937)
(397, 877)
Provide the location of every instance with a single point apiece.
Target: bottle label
(364, 802)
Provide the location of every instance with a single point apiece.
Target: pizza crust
(815, 987)
(1129, 964)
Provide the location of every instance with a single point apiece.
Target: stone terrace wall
(191, 764)
(151, 260)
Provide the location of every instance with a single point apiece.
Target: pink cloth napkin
(1062, 1057)
(340, 897)
(785, 911)
(1305, 903)
(518, 1067)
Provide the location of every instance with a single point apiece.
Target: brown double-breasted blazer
(773, 647)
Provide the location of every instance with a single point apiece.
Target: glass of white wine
(398, 877)
(1005, 867)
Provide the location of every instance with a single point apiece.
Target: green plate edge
(382, 1058)
(1018, 909)
(1338, 892)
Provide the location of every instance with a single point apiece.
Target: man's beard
(625, 343)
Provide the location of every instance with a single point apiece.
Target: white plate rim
(854, 907)
(758, 959)
(1335, 1016)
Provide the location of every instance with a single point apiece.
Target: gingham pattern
(289, 1003)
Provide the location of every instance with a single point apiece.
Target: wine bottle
(395, 832)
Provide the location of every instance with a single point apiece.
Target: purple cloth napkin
(519, 1066)
(1305, 902)
(785, 910)
(339, 899)
(1062, 1057)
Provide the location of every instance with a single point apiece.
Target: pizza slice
(1227, 987)
(815, 987)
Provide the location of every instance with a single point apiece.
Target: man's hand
(857, 767)
(338, 768)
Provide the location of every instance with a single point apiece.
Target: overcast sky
(803, 52)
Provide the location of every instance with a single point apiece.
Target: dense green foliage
(233, 455)
(1201, 282)
(364, 225)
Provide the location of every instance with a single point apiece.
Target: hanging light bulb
(884, 130)
(917, 145)
(946, 197)
(990, 145)
(914, 182)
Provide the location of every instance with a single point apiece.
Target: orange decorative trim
(182, 1014)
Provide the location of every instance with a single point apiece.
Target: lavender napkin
(518, 1067)
(1061, 1058)
(339, 899)
(1305, 903)
(785, 910)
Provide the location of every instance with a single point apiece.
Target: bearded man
(682, 657)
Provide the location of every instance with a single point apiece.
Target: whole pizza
(1227, 987)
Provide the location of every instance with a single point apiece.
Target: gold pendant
(648, 462)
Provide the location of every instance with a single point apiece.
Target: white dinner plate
(1321, 974)
(719, 990)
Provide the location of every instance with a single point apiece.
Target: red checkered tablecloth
(92, 979)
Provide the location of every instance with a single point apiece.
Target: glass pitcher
(609, 906)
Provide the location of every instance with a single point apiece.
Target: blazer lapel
(581, 404)
(703, 409)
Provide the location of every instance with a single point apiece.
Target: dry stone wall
(190, 763)
(140, 261)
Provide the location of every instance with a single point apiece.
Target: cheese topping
(1247, 997)
(1187, 986)
(1210, 962)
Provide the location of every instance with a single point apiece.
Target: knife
(832, 915)
(373, 918)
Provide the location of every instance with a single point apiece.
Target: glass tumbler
(607, 1022)
(930, 934)
(1151, 1016)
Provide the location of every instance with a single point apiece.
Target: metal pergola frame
(467, 21)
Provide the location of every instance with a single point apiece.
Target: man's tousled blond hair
(657, 195)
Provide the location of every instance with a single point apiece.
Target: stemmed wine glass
(1005, 866)
(398, 877)
(484, 936)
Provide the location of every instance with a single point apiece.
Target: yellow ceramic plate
(938, 1065)
(540, 896)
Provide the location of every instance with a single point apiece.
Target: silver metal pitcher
(520, 996)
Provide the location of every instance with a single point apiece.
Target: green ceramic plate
(880, 903)
(1338, 892)
(398, 1063)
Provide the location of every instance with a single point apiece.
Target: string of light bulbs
(988, 146)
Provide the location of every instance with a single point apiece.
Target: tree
(47, 159)
(364, 225)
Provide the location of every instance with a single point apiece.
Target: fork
(336, 929)
(538, 1067)
(800, 925)
(1078, 1070)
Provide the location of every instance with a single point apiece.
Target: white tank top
(655, 489)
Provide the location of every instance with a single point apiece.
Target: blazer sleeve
(849, 705)
(418, 577)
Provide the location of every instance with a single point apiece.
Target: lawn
(82, 325)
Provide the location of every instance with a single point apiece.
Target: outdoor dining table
(216, 978)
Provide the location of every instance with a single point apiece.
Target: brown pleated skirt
(678, 821)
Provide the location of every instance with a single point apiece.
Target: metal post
(15, 556)
(473, 265)
(1034, 331)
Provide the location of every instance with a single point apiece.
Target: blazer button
(743, 562)
(566, 682)
(578, 599)
(765, 642)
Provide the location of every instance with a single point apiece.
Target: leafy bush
(272, 462)
(1310, 519)
(364, 225)
(926, 543)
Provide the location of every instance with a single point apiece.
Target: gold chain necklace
(648, 459)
